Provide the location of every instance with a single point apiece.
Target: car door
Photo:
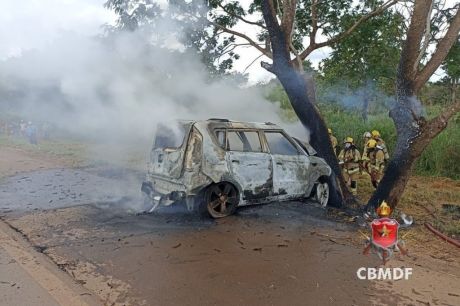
(290, 166)
(249, 165)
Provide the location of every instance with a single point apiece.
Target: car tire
(322, 192)
(220, 200)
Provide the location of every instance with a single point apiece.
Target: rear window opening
(169, 136)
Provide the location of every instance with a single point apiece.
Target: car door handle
(235, 161)
(279, 163)
(314, 164)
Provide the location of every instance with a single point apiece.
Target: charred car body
(217, 165)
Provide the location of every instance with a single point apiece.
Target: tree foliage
(451, 64)
(370, 54)
(414, 131)
(185, 20)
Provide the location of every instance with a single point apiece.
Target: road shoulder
(45, 282)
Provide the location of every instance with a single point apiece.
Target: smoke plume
(117, 88)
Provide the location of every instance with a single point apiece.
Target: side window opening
(279, 144)
(220, 135)
(243, 141)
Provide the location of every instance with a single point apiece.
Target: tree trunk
(414, 132)
(414, 135)
(296, 88)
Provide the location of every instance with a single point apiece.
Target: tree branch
(278, 41)
(241, 18)
(267, 66)
(436, 125)
(411, 48)
(250, 64)
(287, 20)
(272, 10)
(442, 49)
(350, 30)
(426, 39)
(314, 22)
(245, 37)
(297, 61)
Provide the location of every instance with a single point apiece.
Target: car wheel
(322, 193)
(221, 200)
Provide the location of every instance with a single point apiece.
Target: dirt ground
(290, 253)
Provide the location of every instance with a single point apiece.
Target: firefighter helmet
(329, 131)
(367, 135)
(375, 134)
(371, 144)
(348, 139)
(384, 210)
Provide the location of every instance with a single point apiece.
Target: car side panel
(254, 173)
(290, 175)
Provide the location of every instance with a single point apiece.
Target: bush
(441, 157)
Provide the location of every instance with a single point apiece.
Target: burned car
(216, 165)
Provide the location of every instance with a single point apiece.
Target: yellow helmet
(375, 133)
(371, 143)
(329, 131)
(384, 210)
(348, 139)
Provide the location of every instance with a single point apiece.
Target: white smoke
(119, 89)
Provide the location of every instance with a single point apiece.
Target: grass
(434, 200)
(441, 158)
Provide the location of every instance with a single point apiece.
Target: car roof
(229, 124)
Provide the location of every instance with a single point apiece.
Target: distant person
(366, 137)
(349, 158)
(22, 128)
(12, 129)
(375, 161)
(333, 141)
(31, 132)
(2, 127)
(46, 130)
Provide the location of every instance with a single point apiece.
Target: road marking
(61, 292)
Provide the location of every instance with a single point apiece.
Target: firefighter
(366, 137)
(376, 136)
(333, 140)
(349, 158)
(375, 161)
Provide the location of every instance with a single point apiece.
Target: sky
(32, 24)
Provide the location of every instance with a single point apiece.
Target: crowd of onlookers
(26, 129)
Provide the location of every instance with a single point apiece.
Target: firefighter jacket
(333, 142)
(376, 159)
(382, 146)
(350, 159)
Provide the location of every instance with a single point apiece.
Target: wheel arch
(228, 181)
